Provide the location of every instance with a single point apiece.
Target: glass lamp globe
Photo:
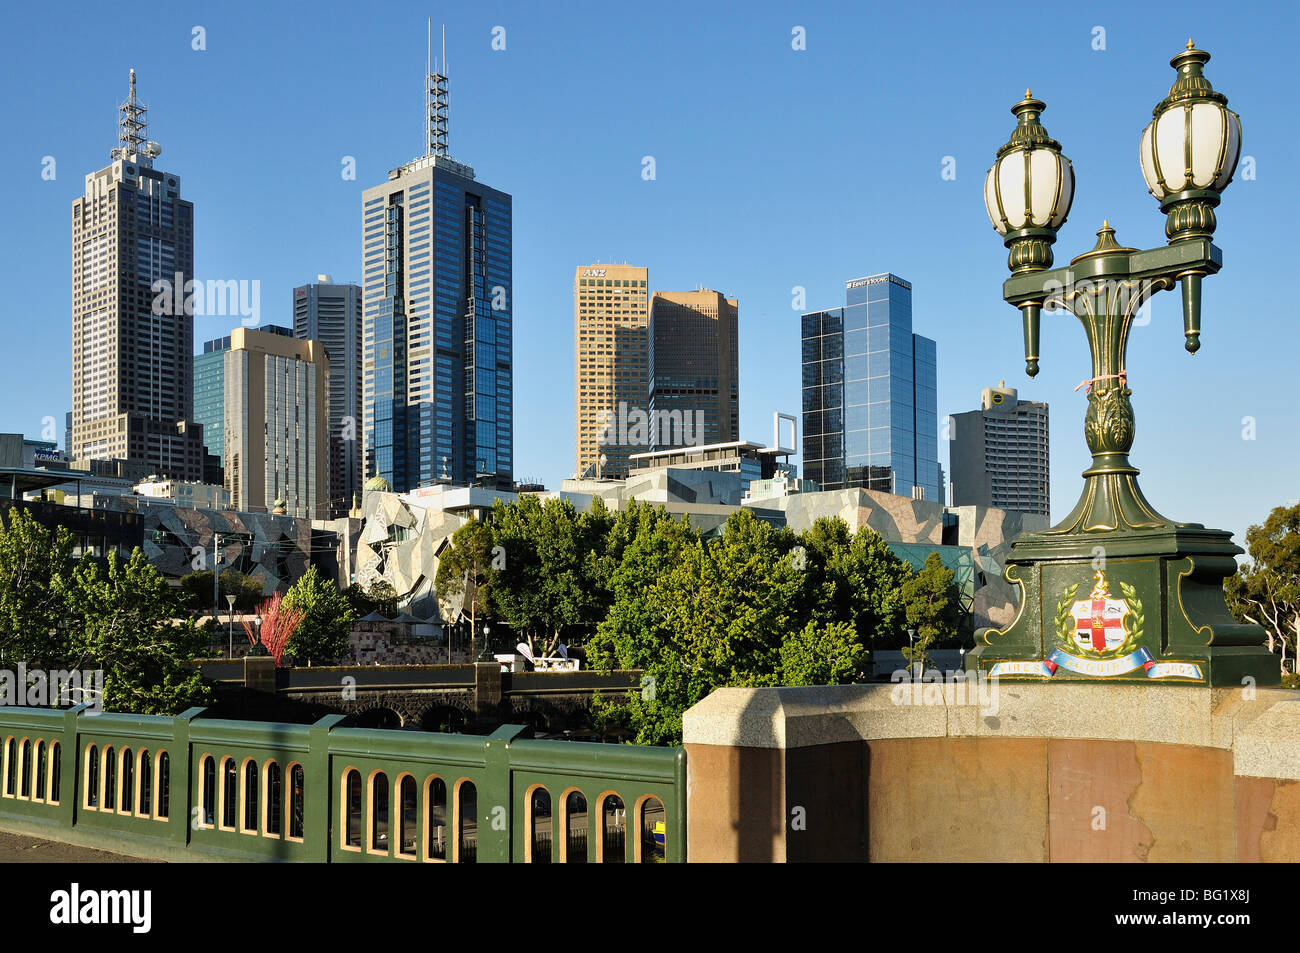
(1190, 148)
(1028, 191)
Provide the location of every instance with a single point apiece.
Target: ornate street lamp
(1027, 193)
(1167, 619)
(1189, 152)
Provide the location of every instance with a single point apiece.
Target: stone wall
(1057, 773)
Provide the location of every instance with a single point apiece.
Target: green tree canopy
(118, 616)
(381, 597)
(1266, 590)
(466, 572)
(327, 618)
(548, 584)
(125, 623)
(198, 589)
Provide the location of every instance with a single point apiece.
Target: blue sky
(775, 168)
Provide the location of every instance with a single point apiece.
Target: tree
(715, 614)
(855, 578)
(327, 619)
(123, 616)
(549, 584)
(33, 565)
(932, 607)
(198, 589)
(827, 653)
(465, 571)
(1266, 591)
(381, 597)
(277, 624)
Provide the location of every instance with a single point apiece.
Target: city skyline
(957, 276)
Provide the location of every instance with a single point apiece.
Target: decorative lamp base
(1142, 606)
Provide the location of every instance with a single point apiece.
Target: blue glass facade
(869, 393)
(437, 358)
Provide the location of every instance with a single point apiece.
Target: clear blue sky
(775, 168)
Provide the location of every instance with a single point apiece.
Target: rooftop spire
(132, 125)
(435, 100)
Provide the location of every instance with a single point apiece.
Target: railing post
(318, 791)
(180, 767)
(70, 766)
(496, 800)
(677, 852)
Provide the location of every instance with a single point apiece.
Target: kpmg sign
(49, 456)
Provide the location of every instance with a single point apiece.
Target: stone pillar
(1009, 771)
(487, 688)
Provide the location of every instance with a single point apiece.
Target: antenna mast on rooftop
(435, 100)
(132, 125)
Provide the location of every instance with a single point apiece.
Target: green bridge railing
(194, 788)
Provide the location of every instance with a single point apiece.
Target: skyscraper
(132, 257)
(275, 436)
(694, 369)
(611, 320)
(210, 397)
(437, 360)
(869, 393)
(999, 454)
(331, 314)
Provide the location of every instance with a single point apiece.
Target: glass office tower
(437, 362)
(869, 394)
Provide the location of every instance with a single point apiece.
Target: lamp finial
(1190, 44)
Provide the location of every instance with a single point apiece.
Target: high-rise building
(132, 339)
(611, 362)
(276, 392)
(331, 314)
(436, 353)
(999, 454)
(694, 369)
(869, 394)
(210, 399)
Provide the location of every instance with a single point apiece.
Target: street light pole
(1166, 619)
(230, 601)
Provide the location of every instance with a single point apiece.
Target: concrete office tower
(869, 394)
(331, 314)
(999, 454)
(611, 362)
(436, 353)
(694, 369)
(276, 437)
(131, 343)
(210, 398)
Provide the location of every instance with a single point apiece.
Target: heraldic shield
(1099, 620)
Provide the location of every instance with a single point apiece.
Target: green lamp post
(1116, 591)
